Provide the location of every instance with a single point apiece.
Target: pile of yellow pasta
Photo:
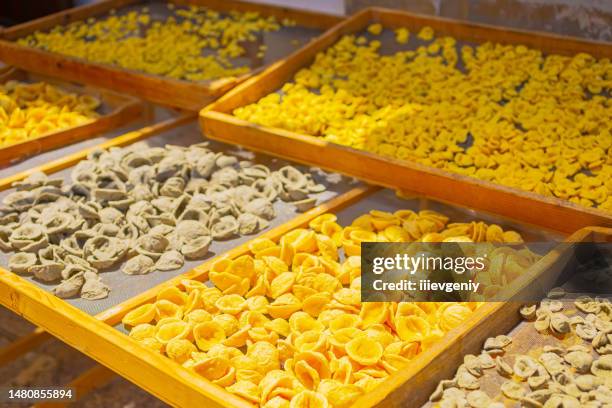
(284, 326)
(172, 47)
(502, 113)
(29, 110)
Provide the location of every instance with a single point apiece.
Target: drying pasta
(142, 208)
(567, 362)
(284, 326)
(192, 43)
(29, 110)
(501, 113)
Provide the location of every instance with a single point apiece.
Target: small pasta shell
(310, 368)
(301, 322)
(143, 331)
(207, 334)
(245, 389)
(212, 368)
(180, 350)
(172, 294)
(279, 326)
(197, 316)
(452, 315)
(315, 302)
(364, 350)
(174, 330)
(412, 328)
(265, 355)
(317, 223)
(373, 313)
(231, 304)
(140, 315)
(309, 399)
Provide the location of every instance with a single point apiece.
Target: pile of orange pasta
(284, 326)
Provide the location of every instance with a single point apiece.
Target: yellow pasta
(246, 389)
(501, 113)
(171, 46)
(173, 331)
(180, 350)
(29, 110)
(165, 308)
(402, 35)
(143, 331)
(228, 322)
(364, 350)
(208, 334)
(300, 336)
(142, 314)
(309, 399)
(231, 304)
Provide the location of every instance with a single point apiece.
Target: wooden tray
(166, 91)
(495, 319)
(218, 123)
(179, 386)
(392, 391)
(115, 110)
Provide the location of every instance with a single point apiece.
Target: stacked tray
(95, 326)
(150, 370)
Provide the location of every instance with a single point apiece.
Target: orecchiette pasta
(193, 43)
(29, 110)
(484, 111)
(143, 209)
(284, 324)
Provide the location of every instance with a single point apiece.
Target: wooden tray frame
(165, 91)
(490, 320)
(392, 392)
(556, 214)
(123, 109)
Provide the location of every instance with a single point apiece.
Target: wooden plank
(22, 345)
(96, 377)
(169, 92)
(166, 91)
(71, 160)
(123, 109)
(551, 212)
